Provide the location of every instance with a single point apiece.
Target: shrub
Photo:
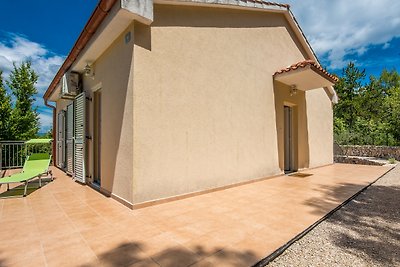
(392, 161)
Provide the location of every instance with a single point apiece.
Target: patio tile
(145, 263)
(16, 253)
(86, 219)
(70, 250)
(55, 228)
(67, 224)
(177, 256)
(158, 244)
(116, 251)
(31, 261)
(100, 231)
(228, 258)
(205, 245)
(19, 231)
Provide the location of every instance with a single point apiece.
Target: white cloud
(341, 27)
(45, 63)
(46, 121)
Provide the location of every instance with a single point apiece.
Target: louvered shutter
(80, 133)
(61, 139)
(69, 139)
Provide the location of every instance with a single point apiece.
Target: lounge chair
(36, 165)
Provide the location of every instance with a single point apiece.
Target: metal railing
(12, 154)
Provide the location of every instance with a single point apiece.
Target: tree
(49, 134)
(348, 89)
(24, 120)
(5, 110)
(368, 113)
(390, 81)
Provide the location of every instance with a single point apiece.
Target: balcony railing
(12, 154)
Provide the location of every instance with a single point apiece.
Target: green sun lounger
(36, 165)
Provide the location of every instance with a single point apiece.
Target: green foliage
(5, 110)
(367, 114)
(348, 89)
(24, 119)
(48, 135)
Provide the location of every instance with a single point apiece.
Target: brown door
(288, 139)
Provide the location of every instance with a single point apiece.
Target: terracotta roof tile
(315, 66)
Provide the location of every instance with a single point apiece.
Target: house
(160, 99)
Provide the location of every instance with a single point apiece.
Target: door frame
(288, 139)
(96, 144)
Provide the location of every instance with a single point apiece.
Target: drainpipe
(53, 153)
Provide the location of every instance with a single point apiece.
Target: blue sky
(364, 31)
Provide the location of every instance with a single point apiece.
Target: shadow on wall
(132, 252)
(369, 225)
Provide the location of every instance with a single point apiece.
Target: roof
(104, 6)
(269, 3)
(315, 66)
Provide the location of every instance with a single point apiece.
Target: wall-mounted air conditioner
(70, 85)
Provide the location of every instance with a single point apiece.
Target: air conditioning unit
(70, 85)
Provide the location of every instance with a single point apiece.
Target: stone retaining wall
(384, 152)
(355, 160)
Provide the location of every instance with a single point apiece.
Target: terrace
(65, 223)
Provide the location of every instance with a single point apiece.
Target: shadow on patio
(131, 254)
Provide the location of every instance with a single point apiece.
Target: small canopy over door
(307, 75)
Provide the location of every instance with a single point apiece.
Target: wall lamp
(88, 70)
(293, 90)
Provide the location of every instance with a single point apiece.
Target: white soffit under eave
(116, 22)
(304, 79)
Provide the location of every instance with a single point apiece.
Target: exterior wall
(189, 104)
(204, 108)
(113, 74)
(113, 77)
(320, 128)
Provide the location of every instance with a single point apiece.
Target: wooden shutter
(69, 139)
(61, 139)
(80, 135)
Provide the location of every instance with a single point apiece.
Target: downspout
(53, 153)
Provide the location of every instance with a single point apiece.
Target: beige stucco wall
(189, 104)
(113, 76)
(204, 110)
(114, 71)
(320, 128)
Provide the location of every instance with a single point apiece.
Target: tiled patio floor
(66, 224)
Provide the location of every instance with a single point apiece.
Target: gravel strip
(365, 232)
